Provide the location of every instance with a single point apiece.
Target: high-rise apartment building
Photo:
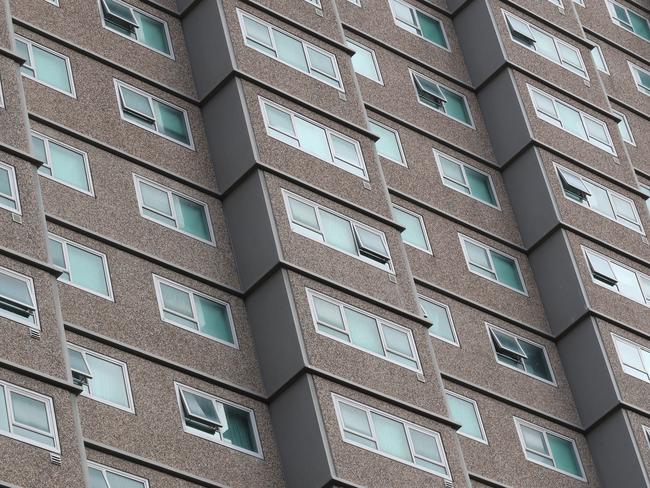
(324, 243)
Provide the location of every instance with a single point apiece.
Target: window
(103, 379)
(646, 431)
(154, 115)
(415, 233)
(2, 99)
(554, 451)
(618, 278)
(194, 311)
(62, 163)
(442, 325)
(337, 231)
(313, 138)
(641, 78)
(389, 145)
(624, 128)
(105, 477)
(219, 421)
(53, 2)
(364, 61)
(557, 2)
(532, 37)
(355, 2)
(83, 267)
(417, 22)
(45, 66)
(606, 202)
(314, 2)
(137, 25)
(521, 354)
(390, 436)
(629, 20)
(464, 411)
(492, 264)
(364, 331)
(599, 59)
(466, 179)
(635, 359)
(442, 99)
(646, 189)
(9, 189)
(18, 299)
(173, 209)
(290, 50)
(27, 416)
(579, 2)
(578, 123)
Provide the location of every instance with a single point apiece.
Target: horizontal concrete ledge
(7, 485)
(19, 153)
(486, 481)
(341, 483)
(39, 376)
(30, 261)
(615, 44)
(620, 405)
(12, 55)
(629, 107)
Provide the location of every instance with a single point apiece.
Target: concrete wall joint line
(23, 258)
(629, 107)
(486, 481)
(20, 154)
(12, 55)
(39, 376)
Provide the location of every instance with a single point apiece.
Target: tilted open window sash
(521, 31)
(200, 412)
(430, 91)
(16, 298)
(574, 185)
(80, 369)
(601, 269)
(507, 345)
(371, 244)
(120, 14)
(137, 105)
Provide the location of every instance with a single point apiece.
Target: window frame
(463, 238)
(168, 36)
(449, 317)
(477, 412)
(616, 21)
(157, 280)
(315, 3)
(104, 468)
(29, 281)
(641, 88)
(47, 140)
(2, 98)
(13, 185)
(338, 399)
(380, 323)
(413, 74)
(53, 2)
(329, 132)
(404, 162)
(602, 57)
(212, 438)
(624, 120)
(49, 409)
(30, 46)
(463, 165)
(427, 14)
(545, 432)
(120, 105)
(617, 339)
(422, 227)
(373, 56)
(241, 14)
(518, 338)
(170, 192)
(125, 376)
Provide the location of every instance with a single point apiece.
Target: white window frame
(125, 376)
(135, 39)
(557, 122)
(517, 337)
(519, 422)
(463, 165)
(418, 27)
(53, 2)
(579, 2)
(610, 195)
(170, 192)
(67, 242)
(602, 57)
(580, 71)
(617, 339)
(157, 280)
(105, 469)
(2, 98)
(118, 84)
(404, 162)
(29, 281)
(646, 431)
(477, 412)
(213, 438)
(634, 69)
(449, 317)
(328, 133)
(414, 73)
(13, 184)
(337, 399)
(48, 162)
(355, 2)
(309, 233)
(615, 20)
(374, 60)
(463, 238)
(380, 323)
(422, 226)
(241, 14)
(627, 125)
(49, 408)
(315, 3)
(30, 44)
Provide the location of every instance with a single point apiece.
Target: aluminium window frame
(53, 2)
(29, 281)
(157, 280)
(315, 3)
(617, 339)
(634, 69)
(616, 21)
(2, 98)
(214, 438)
(311, 294)
(477, 412)
(47, 140)
(423, 227)
(545, 432)
(418, 27)
(373, 56)
(449, 317)
(463, 238)
(13, 185)
(103, 468)
(624, 120)
(646, 431)
(404, 162)
(602, 57)
(28, 63)
(120, 105)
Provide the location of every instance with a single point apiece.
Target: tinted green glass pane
(171, 122)
(534, 440)
(414, 233)
(4, 415)
(152, 33)
(391, 437)
(69, 166)
(87, 270)
(535, 361)
(136, 102)
(338, 232)
(290, 51)
(303, 214)
(455, 106)
(51, 69)
(192, 217)
(364, 332)
(564, 455)
(5, 183)
(312, 139)
(22, 50)
(640, 25)
(96, 478)
(239, 429)
(118, 481)
(213, 319)
(463, 412)
(387, 145)
(363, 62)
(431, 29)
(77, 362)
(38, 150)
(107, 382)
(201, 407)
(441, 324)
(479, 185)
(29, 411)
(119, 10)
(56, 251)
(506, 271)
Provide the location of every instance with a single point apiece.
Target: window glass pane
(398, 341)
(56, 251)
(87, 270)
(371, 240)
(4, 415)
(545, 45)
(176, 300)
(414, 234)
(15, 289)
(564, 455)
(453, 172)
(480, 186)
(506, 270)
(303, 214)
(118, 481)
(463, 412)
(599, 199)
(321, 62)
(200, 407)
(279, 120)
(257, 32)
(107, 382)
(624, 208)
(535, 361)
(431, 29)
(630, 355)
(441, 324)
(364, 332)
(52, 69)
(640, 25)
(534, 440)
(599, 60)
(363, 62)
(455, 106)
(391, 437)
(171, 122)
(156, 199)
(477, 255)
(69, 166)
(571, 56)
(627, 284)
(328, 313)
(290, 51)
(119, 10)
(345, 150)
(545, 104)
(77, 362)
(29, 411)
(136, 102)
(23, 51)
(426, 446)
(96, 478)
(596, 130)
(387, 145)
(405, 14)
(356, 420)
(338, 232)
(571, 120)
(624, 129)
(38, 147)
(152, 33)
(239, 429)
(192, 217)
(312, 139)
(213, 319)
